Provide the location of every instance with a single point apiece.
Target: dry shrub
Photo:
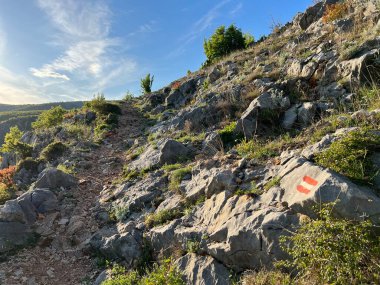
(334, 12)
(188, 126)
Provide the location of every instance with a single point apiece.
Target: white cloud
(79, 19)
(83, 30)
(85, 26)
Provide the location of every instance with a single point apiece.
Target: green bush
(223, 42)
(161, 217)
(263, 150)
(53, 151)
(334, 251)
(102, 107)
(146, 83)
(29, 164)
(164, 274)
(350, 155)
(176, 177)
(13, 144)
(49, 118)
(228, 135)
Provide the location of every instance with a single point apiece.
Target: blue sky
(63, 50)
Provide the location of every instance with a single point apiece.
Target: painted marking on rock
(308, 180)
(302, 189)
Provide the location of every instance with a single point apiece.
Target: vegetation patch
(335, 12)
(162, 217)
(328, 250)
(275, 181)
(49, 118)
(7, 185)
(228, 135)
(265, 277)
(177, 176)
(13, 143)
(53, 151)
(350, 155)
(165, 273)
(262, 150)
(252, 191)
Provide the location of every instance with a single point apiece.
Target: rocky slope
(216, 167)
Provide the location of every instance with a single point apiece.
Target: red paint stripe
(302, 189)
(310, 180)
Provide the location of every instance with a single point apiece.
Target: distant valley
(24, 115)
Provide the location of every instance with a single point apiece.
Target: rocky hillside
(199, 183)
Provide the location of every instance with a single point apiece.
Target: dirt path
(59, 258)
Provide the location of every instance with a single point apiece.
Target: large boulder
(312, 14)
(53, 178)
(364, 69)
(18, 216)
(134, 198)
(274, 100)
(203, 270)
(306, 185)
(124, 242)
(238, 231)
(166, 151)
(303, 113)
(207, 182)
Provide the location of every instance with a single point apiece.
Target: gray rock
(203, 270)
(273, 99)
(167, 151)
(306, 113)
(101, 278)
(362, 70)
(140, 195)
(122, 243)
(312, 14)
(214, 75)
(295, 68)
(308, 184)
(53, 178)
(18, 216)
(290, 117)
(212, 144)
(209, 182)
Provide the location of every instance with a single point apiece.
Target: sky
(68, 50)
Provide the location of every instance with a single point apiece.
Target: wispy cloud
(198, 28)
(145, 28)
(236, 10)
(85, 26)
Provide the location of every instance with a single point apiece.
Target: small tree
(146, 83)
(248, 39)
(13, 144)
(49, 118)
(223, 42)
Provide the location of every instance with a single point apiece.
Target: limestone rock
(167, 151)
(53, 178)
(203, 270)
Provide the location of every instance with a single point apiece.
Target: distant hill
(40, 107)
(24, 115)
